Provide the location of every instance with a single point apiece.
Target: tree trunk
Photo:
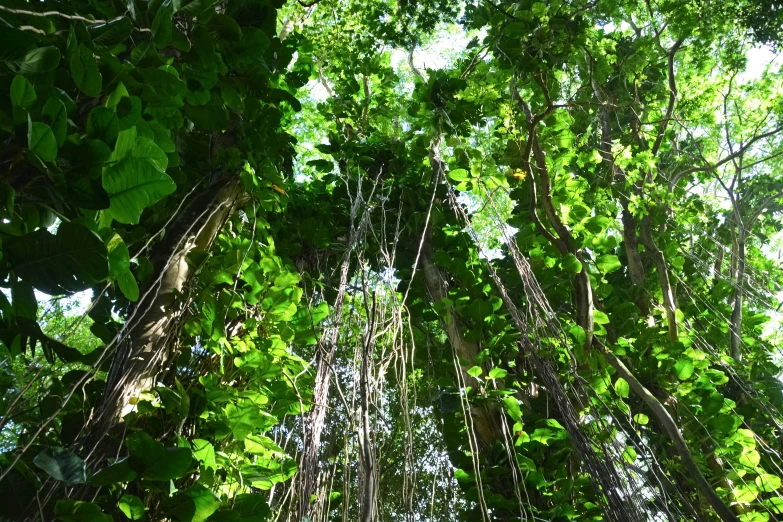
(669, 298)
(368, 469)
(143, 350)
(735, 328)
(485, 424)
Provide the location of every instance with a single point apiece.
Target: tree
(318, 277)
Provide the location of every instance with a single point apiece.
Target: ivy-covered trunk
(149, 341)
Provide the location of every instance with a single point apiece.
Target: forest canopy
(421, 260)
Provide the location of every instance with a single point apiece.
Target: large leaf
(76, 511)
(22, 92)
(156, 462)
(36, 61)
(55, 115)
(84, 69)
(119, 257)
(41, 141)
(684, 369)
(134, 184)
(120, 471)
(622, 388)
(128, 286)
(71, 261)
(111, 33)
(62, 465)
(132, 507)
(194, 504)
(247, 508)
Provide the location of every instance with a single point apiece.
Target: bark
(669, 297)
(631, 244)
(143, 352)
(735, 328)
(368, 483)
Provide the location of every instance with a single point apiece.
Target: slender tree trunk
(367, 465)
(735, 328)
(669, 297)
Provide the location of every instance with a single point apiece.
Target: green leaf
(512, 408)
(194, 504)
(102, 124)
(77, 511)
(175, 401)
(246, 507)
(73, 260)
(768, 483)
(37, 61)
(462, 475)
(161, 25)
(497, 373)
(55, 114)
(63, 465)
(600, 317)
(22, 92)
(459, 175)
(475, 371)
(158, 463)
(746, 493)
(145, 148)
(572, 264)
(120, 471)
(128, 286)
(264, 446)
(684, 369)
(84, 69)
(134, 184)
(622, 388)
(119, 257)
(41, 141)
(204, 453)
(123, 148)
(131, 506)
(608, 263)
(244, 419)
(629, 455)
(641, 418)
(111, 33)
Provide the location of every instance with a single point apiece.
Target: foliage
(613, 159)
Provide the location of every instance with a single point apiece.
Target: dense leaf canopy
(391, 260)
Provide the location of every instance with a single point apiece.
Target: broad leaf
(622, 388)
(132, 507)
(63, 465)
(84, 69)
(194, 504)
(41, 141)
(56, 116)
(77, 511)
(120, 471)
(71, 261)
(22, 92)
(39, 60)
(134, 184)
